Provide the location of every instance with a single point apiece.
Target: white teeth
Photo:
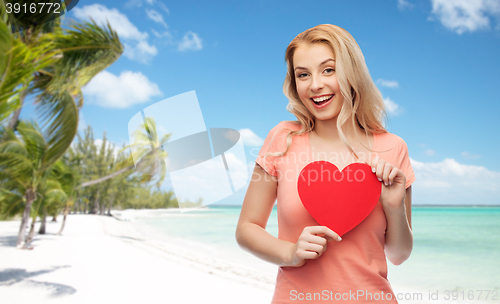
(323, 98)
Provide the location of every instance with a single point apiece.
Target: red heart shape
(339, 200)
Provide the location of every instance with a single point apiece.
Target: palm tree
(75, 55)
(54, 63)
(49, 195)
(17, 65)
(64, 60)
(148, 146)
(26, 160)
(59, 192)
(62, 192)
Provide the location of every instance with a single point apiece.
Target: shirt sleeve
(405, 164)
(272, 145)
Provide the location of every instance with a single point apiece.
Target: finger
(325, 230)
(316, 239)
(380, 169)
(308, 255)
(400, 177)
(373, 161)
(393, 175)
(324, 236)
(313, 247)
(387, 170)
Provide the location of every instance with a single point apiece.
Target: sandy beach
(100, 259)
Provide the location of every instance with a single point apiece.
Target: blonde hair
(363, 102)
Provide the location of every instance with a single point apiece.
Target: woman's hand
(311, 244)
(394, 180)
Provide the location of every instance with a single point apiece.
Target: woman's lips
(324, 102)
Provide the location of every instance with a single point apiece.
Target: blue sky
(435, 61)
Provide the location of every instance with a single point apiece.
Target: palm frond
(60, 115)
(34, 142)
(9, 142)
(18, 62)
(11, 204)
(86, 49)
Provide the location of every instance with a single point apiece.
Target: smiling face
(316, 82)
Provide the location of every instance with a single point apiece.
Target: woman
(339, 114)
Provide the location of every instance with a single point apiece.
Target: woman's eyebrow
(325, 61)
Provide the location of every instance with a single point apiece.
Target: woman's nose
(316, 84)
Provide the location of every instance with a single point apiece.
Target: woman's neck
(327, 131)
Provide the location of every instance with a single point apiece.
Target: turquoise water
(455, 248)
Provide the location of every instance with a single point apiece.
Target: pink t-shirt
(353, 270)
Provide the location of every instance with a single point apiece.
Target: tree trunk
(15, 117)
(43, 224)
(54, 218)
(30, 197)
(65, 214)
(95, 203)
(111, 201)
(32, 232)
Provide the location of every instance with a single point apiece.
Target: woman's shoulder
(284, 127)
(277, 137)
(390, 140)
(288, 124)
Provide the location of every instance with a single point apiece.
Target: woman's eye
(329, 70)
(301, 75)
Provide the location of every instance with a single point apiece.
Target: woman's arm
(396, 202)
(251, 232)
(399, 235)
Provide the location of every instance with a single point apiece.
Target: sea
(455, 257)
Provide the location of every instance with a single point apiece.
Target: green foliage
(147, 153)
(131, 189)
(149, 198)
(23, 166)
(18, 62)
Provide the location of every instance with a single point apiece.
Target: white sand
(99, 259)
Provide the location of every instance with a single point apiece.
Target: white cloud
(190, 42)
(133, 3)
(450, 182)
(138, 3)
(250, 139)
(404, 4)
(239, 169)
(164, 34)
(429, 152)
(110, 91)
(141, 52)
(156, 17)
(465, 15)
(391, 106)
(163, 7)
(469, 155)
(208, 180)
(135, 42)
(388, 83)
